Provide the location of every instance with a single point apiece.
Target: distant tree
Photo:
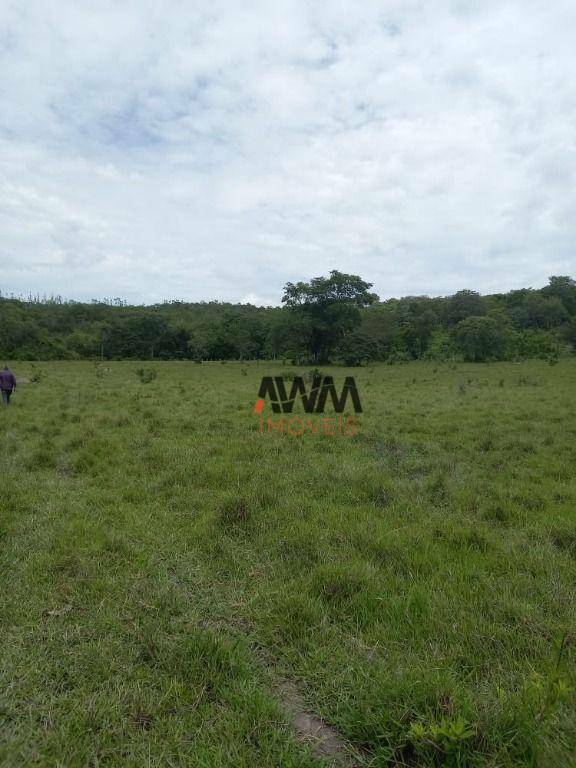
(322, 319)
(570, 334)
(519, 316)
(356, 348)
(331, 306)
(564, 289)
(18, 332)
(480, 339)
(464, 304)
(442, 346)
(545, 312)
(533, 343)
(143, 336)
(289, 336)
(379, 322)
(417, 332)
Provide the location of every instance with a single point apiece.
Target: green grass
(164, 566)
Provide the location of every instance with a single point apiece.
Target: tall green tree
(331, 308)
(464, 304)
(564, 288)
(480, 339)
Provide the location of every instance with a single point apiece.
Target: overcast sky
(158, 149)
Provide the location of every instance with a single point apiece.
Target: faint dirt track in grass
(325, 741)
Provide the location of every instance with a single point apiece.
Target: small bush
(146, 375)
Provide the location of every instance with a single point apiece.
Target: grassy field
(178, 589)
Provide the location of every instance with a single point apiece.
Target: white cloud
(166, 148)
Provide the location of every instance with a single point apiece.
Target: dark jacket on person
(7, 380)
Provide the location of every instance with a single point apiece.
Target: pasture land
(178, 589)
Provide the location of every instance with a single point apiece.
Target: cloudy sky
(157, 149)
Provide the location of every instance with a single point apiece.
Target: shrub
(480, 339)
(146, 375)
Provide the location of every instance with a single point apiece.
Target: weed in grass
(146, 375)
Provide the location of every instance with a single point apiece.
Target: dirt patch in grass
(325, 741)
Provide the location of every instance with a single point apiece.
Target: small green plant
(146, 375)
(543, 694)
(443, 742)
(100, 371)
(314, 373)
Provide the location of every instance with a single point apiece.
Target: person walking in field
(7, 384)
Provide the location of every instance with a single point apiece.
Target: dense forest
(328, 319)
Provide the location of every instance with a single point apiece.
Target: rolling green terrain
(178, 589)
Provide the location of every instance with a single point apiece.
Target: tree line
(328, 319)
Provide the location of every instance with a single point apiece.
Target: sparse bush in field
(146, 375)
(101, 371)
(314, 373)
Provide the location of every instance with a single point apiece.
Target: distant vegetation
(329, 319)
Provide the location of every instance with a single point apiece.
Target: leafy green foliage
(331, 308)
(480, 339)
(145, 375)
(333, 319)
